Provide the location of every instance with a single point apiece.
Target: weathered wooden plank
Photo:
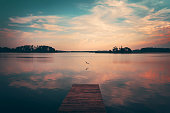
(83, 98)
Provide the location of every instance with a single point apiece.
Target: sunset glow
(85, 24)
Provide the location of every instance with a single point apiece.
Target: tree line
(48, 49)
(29, 49)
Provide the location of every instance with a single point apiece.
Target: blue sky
(85, 24)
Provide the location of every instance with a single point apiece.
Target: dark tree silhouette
(48, 49)
(26, 48)
(31, 48)
(5, 49)
(154, 50)
(44, 49)
(121, 50)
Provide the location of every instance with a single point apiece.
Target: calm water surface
(130, 83)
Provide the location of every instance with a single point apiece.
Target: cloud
(109, 23)
(161, 15)
(102, 22)
(40, 22)
(47, 27)
(122, 3)
(24, 20)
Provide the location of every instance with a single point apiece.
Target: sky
(85, 24)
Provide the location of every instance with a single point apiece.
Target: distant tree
(136, 51)
(5, 49)
(25, 48)
(44, 49)
(127, 50)
(110, 51)
(121, 50)
(154, 50)
(115, 49)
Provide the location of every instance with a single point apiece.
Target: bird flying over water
(86, 62)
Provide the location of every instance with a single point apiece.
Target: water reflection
(124, 79)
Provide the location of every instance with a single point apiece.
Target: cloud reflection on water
(123, 79)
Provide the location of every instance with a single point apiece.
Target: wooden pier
(83, 98)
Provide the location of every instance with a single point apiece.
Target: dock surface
(83, 98)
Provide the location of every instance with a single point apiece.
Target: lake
(130, 83)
